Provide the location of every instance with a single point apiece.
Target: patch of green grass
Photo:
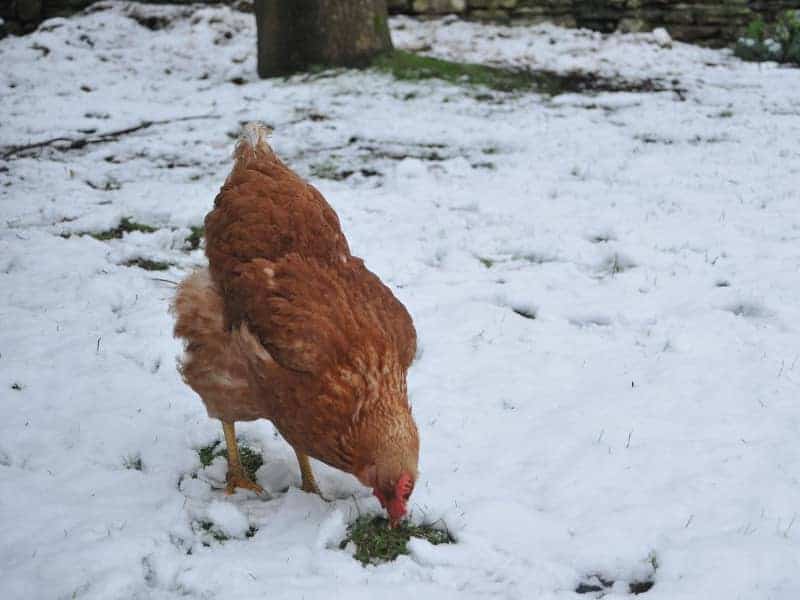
(376, 543)
(208, 527)
(250, 459)
(126, 225)
(408, 66)
(195, 237)
(330, 170)
(219, 536)
(208, 453)
(147, 264)
(133, 462)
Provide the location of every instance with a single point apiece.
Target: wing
(312, 316)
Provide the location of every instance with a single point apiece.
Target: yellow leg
(236, 475)
(309, 483)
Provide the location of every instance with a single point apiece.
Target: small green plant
(376, 543)
(220, 536)
(126, 225)
(250, 459)
(195, 237)
(208, 453)
(132, 462)
(779, 42)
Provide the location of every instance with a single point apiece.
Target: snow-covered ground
(606, 288)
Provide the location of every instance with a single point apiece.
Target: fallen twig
(78, 143)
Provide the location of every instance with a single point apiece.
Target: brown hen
(287, 325)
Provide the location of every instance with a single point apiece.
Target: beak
(393, 523)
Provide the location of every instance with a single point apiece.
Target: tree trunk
(294, 35)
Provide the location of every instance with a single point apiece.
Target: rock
(662, 38)
(439, 7)
(631, 25)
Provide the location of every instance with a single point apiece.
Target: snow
(227, 518)
(642, 425)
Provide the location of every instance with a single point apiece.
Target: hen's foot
(311, 487)
(309, 483)
(238, 479)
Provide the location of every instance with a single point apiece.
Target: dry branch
(109, 136)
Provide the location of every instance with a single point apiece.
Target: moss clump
(376, 543)
(250, 459)
(408, 66)
(208, 453)
(133, 462)
(195, 237)
(126, 225)
(414, 67)
(147, 264)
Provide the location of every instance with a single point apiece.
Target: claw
(240, 480)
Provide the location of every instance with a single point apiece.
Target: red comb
(404, 485)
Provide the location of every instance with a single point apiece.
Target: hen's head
(393, 474)
(395, 497)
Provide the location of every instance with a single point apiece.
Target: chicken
(285, 324)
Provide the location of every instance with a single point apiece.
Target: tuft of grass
(250, 459)
(208, 527)
(126, 225)
(376, 543)
(132, 462)
(219, 536)
(195, 237)
(615, 264)
(147, 264)
(207, 454)
(330, 170)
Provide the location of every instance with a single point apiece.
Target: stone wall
(23, 16)
(711, 22)
(715, 23)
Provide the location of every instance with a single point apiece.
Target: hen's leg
(236, 474)
(309, 483)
